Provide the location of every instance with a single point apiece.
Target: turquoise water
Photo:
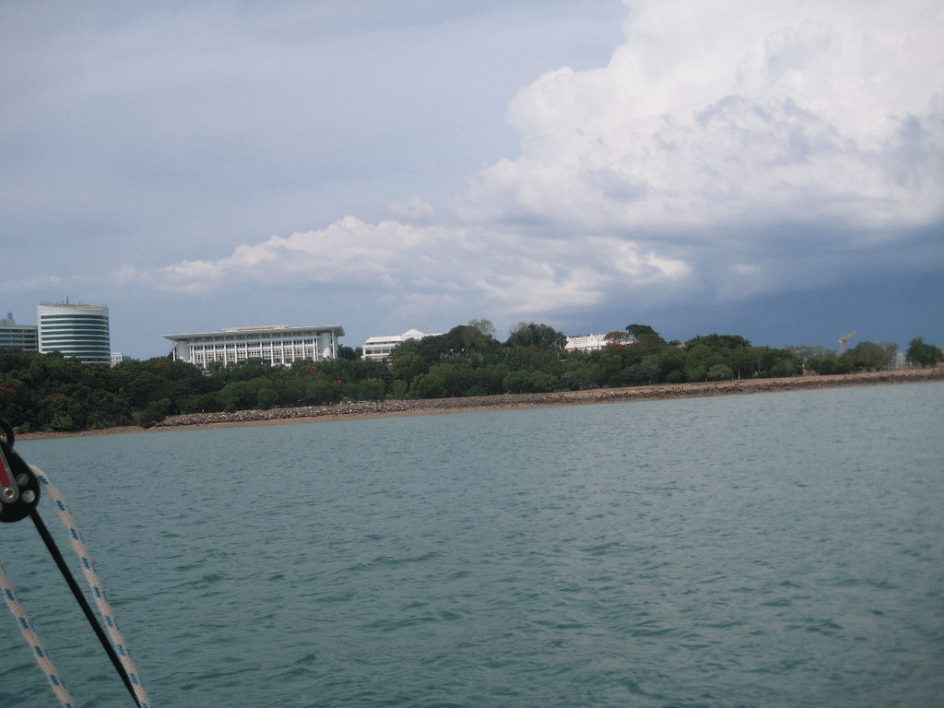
(770, 550)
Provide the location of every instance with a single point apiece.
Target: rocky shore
(372, 409)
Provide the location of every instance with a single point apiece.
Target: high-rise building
(14, 336)
(79, 331)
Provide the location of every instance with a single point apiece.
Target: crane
(843, 340)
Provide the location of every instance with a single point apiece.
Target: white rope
(39, 651)
(104, 609)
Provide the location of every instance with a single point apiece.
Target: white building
(79, 331)
(14, 336)
(586, 343)
(380, 348)
(277, 344)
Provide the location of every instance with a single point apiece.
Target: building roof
(409, 334)
(275, 329)
(587, 341)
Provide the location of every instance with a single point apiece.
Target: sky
(774, 170)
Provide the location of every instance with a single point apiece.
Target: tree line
(52, 392)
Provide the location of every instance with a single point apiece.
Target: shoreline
(508, 401)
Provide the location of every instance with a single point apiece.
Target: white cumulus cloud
(716, 112)
(727, 149)
(517, 272)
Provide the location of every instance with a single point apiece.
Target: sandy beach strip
(440, 406)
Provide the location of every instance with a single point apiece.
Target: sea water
(768, 550)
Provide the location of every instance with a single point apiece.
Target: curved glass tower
(79, 331)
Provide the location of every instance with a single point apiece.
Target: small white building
(586, 343)
(277, 344)
(380, 348)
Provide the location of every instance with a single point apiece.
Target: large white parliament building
(277, 344)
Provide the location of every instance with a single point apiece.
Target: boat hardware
(19, 497)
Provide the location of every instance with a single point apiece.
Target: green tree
(155, 412)
(320, 391)
(668, 361)
(722, 343)
(60, 413)
(442, 381)
(641, 330)
(367, 390)
(485, 327)
(573, 381)
(639, 375)
(784, 366)
(406, 362)
(606, 368)
(242, 395)
(529, 334)
(921, 354)
(830, 364)
(465, 341)
(807, 352)
(17, 403)
(699, 360)
(241, 371)
(486, 380)
(647, 340)
(744, 362)
(398, 389)
(719, 372)
(869, 356)
(530, 381)
(266, 398)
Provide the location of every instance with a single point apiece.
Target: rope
(39, 651)
(101, 601)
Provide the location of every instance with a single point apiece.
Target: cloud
(726, 150)
(414, 208)
(713, 113)
(503, 269)
(39, 282)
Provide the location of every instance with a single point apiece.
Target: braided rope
(39, 651)
(104, 609)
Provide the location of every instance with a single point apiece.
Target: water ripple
(751, 551)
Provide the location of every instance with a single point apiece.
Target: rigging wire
(116, 649)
